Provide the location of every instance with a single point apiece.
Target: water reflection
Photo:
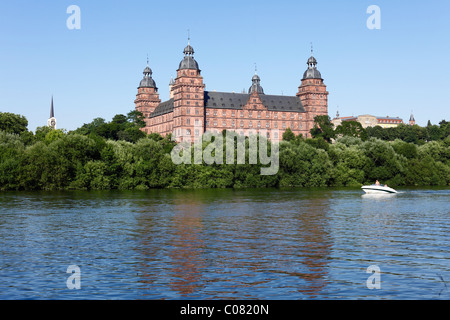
(315, 244)
(187, 247)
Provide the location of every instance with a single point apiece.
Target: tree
(323, 128)
(13, 123)
(351, 129)
(136, 118)
(288, 135)
(41, 132)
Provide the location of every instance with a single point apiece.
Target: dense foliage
(117, 155)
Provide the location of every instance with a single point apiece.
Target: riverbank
(78, 162)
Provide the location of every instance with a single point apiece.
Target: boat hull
(378, 190)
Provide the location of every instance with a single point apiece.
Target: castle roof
(312, 72)
(163, 108)
(230, 100)
(236, 101)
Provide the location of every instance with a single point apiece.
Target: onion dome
(312, 72)
(147, 81)
(256, 87)
(188, 62)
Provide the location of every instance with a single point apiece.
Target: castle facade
(192, 110)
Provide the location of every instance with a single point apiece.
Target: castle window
(188, 96)
(196, 122)
(242, 124)
(188, 111)
(259, 124)
(233, 123)
(188, 121)
(267, 125)
(284, 125)
(197, 133)
(250, 124)
(215, 123)
(250, 115)
(224, 113)
(196, 103)
(242, 113)
(196, 111)
(267, 115)
(232, 112)
(207, 123)
(284, 115)
(188, 102)
(259, 114)
(276, 116)
(215, 112)
(188, 132)
(207, 112)
(196, 96)
(224, 123)
(292, 116)
(254, 100)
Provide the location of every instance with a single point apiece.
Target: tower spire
(51, 122)
(52, 111)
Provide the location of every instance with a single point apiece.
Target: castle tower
(147, 98)
(51, 122)
(188, 94)
(313, 94)
(412, 121)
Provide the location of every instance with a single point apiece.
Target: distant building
(192, 110)
(51, 122)
(368, 120)
(412, 121)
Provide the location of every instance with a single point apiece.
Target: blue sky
(94, 72)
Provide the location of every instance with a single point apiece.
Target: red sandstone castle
(191, 110)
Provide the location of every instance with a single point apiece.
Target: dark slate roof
(163, 108)
(228, 100)
(312, 73)
(188, 62)
(147, 82)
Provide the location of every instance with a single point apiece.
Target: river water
(225, 244)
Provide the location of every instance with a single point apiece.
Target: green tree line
(118, 155)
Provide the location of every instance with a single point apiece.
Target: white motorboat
(378, 189)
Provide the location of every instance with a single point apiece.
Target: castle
(192, 110)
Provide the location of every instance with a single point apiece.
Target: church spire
(52, 110)
(52, 120)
